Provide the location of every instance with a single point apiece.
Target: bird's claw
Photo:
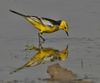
(29, 47)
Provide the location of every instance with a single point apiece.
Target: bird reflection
(43, 56)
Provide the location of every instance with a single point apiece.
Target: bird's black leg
(39, 40)
(42, 38)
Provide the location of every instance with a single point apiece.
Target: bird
(45, 25)
(43, 56)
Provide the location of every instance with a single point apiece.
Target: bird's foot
(29, 47)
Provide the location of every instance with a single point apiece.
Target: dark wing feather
(36, 18)
(52, 21)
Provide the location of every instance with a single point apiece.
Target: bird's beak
(67, 33)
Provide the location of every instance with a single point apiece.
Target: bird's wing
(36, 18)
(48, 21)
(50, 58)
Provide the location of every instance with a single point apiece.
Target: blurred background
(83, 41)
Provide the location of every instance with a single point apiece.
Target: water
(83, 59)
(83, 40)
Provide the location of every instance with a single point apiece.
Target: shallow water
(83, 59)
(83, 41)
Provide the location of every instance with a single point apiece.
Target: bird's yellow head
(64, 26)
(64, 54)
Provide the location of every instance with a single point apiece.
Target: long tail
(20, 68)
(17, 13)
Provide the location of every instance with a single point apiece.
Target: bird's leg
(42, 38)
(39, 40)
(40, 46)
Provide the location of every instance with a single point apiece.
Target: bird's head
(64, 54)
(64, 26)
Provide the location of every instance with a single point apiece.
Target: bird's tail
(20, 68)
(17, 13)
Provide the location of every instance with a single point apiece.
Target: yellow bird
(44, 55)
(45, 25)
